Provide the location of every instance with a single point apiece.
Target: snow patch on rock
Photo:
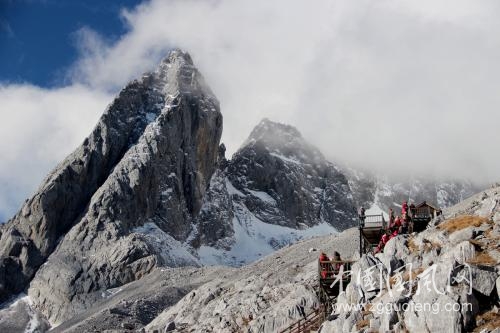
(254, 239)
(172, 252)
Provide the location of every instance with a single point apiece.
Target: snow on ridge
(263, 196)
(173, 252)
(21, 308)
(255, 239)
(286, 159)
(231, 190)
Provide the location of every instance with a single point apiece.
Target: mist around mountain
(378, 192)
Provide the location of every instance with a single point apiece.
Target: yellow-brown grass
(483, 258)
(247, 320)
(362, 323)
(365, 313)
(412, 246)
(462, 222)
(427, 245)
(430, 245)
(487, 321)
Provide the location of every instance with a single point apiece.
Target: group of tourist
(329, 266)
(400, 224)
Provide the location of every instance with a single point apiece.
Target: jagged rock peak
(268, 130)
(177, 74)
(283, 140)
(302, 188)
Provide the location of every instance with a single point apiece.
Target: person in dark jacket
(361, 214)
(336, 257)
(391, 216)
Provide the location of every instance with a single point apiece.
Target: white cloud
(391, 85)
(39, 128)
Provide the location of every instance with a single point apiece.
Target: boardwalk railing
(331, 269)
(372, 221)
(370, 227)
(423, 212)
(307, 324)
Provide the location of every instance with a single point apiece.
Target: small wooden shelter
(371, 228)
(422, 214)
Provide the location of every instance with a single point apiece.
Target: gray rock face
(214, 225)
(265, 296)
(18, 316)
(483, 280)
(276, 190)
(149, 160)
(32, 234)
(305, 188)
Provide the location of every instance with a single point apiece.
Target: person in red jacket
(324, 266)
(397, 222)
(405, 224)
(404, 208)
(385, 238)
(323, 257)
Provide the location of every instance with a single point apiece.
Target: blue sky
(37, 38)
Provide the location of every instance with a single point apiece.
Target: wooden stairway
(310, 323)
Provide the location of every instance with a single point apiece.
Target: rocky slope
(261, 297)
(379, 193)
(445, 279)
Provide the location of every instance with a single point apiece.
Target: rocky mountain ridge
(274, 191)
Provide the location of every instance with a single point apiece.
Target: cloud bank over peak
(398, 86)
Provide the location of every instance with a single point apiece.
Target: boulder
(462, 235)
(461, 252)
(483, 280)
(369, 276)
(498, 285)
(427, 314)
